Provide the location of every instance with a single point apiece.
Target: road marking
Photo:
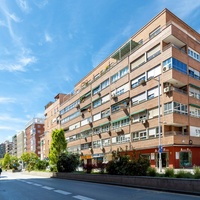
(48, 188)
(82, 197)
(36, 184)
(62, 192)
(29, 182)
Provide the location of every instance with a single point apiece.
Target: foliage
(6, 161)
(30, 160)
(58, 146)
(124, 165)
(14, 162)
(41, 165)
(169, 172)
(183, 174)
(68, 162)
(151, 171)
(196, 172)
(88, 167)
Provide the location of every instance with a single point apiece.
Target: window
(152, 93)
(121, 90)
(119, 74)
(118, 106)
(124, 71)
(70, 117)
(96, 103)
(175, 64)
(123, 138)
(106, 142)
(135, 82)
(97, 144)
(195, 112)
(139, 98)
(96, 90)
(105, 128)
(193, 54)
(71, 106)
(138, 62)
(105, 84)
(120, 123)
(139, 135)
(105, 113)
(115, 77)
(96, 116)
(175, 107)
(154, 32)
(155, 51)
(185, 159)
(194, 73)
(154, 72)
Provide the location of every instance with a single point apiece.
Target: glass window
(185, 159)
(124, 71)
(105, 84)
(96, 103)
(96, 90)
(115, 77)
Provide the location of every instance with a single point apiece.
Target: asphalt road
(17, 186)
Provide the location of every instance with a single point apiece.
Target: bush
(68, 162)
(183, 174)
(88, 167)
(169, 172)
(122, 165)
(151, 171)
(196, 172)
(41, 164)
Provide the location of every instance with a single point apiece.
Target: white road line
(82, 197)
(48, 188)
(29, 182)
(62, 192)
(36, 184)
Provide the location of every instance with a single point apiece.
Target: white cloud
(48, 38)
(23, 4)
(6, 128)
(11, 120)
(40, 3)
(6, 100)
(68, 78)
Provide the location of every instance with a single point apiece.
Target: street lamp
(159, 130)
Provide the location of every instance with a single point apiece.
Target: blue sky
(47, 46)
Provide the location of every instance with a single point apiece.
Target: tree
(6, 161)
(14, 164)
(58, 146)
(30, 159)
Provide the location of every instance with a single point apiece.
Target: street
(17, 186)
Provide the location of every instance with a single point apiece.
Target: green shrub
(68, 162)
(183, 174)
(151, 171)
(169, 172)
(122, 165)
(196, 172)
(41, 165)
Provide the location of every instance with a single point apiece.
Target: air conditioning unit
(167, 89)
(118, 130)
(142, 81)
(113, 95)
(166, 68)
(143, 121)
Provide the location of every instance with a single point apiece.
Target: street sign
(160, 149)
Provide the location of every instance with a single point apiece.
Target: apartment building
(34, 129)
(51, 122)
(8, 147)
(14, 145)
(2, 150)
(143, 98)
(20, 144)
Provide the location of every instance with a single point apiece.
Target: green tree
(29, 159)
(14, 164)
(6, 161)
(58, 146)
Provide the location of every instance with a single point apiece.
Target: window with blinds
(138, 62)
(153, 52)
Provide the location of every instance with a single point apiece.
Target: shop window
(186, 159)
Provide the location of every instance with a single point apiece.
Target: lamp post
(159, 130)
